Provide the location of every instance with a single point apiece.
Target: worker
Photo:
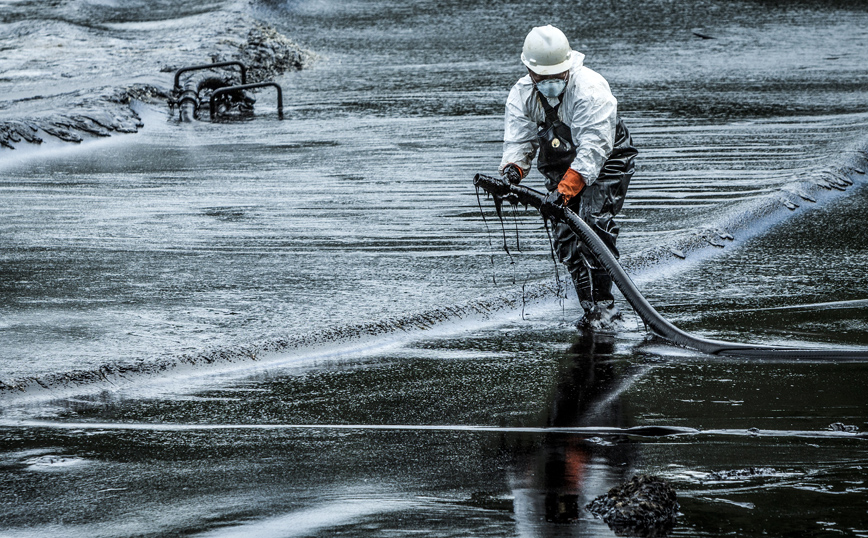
(567, 113)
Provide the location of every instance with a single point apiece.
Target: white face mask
(551, 87)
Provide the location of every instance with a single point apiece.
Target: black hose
(657, 323)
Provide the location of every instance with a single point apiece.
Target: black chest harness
(556, 148)
(557, 151)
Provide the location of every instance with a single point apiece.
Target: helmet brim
(550, 69)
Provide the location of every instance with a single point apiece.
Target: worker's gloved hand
(512, 173)
(571, 185)
(552, 207)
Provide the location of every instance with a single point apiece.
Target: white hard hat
(546, 51)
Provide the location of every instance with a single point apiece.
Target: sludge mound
(645, 506)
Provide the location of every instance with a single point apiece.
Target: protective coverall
(582, 132)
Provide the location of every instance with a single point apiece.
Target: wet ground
(358, 208)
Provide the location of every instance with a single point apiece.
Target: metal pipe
(188, 103)
(227, 89)
(178, 74)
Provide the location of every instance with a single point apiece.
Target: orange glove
(571, 185)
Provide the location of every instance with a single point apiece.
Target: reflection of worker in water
(550, 486)
(567, 112)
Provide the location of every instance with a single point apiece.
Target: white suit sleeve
(593, 129)
(519, 134)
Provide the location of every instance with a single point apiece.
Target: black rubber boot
(601, 313)
(584, 286)
(601, 318)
